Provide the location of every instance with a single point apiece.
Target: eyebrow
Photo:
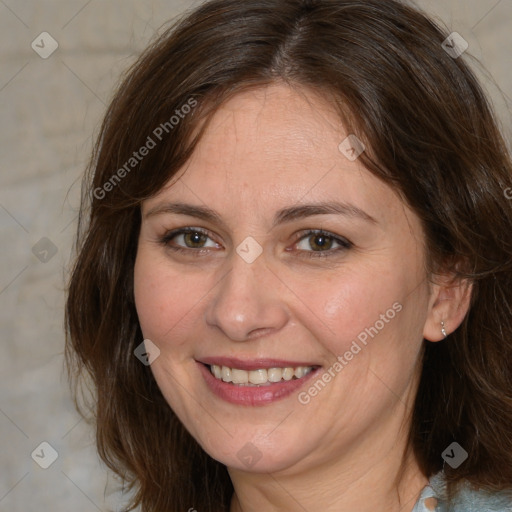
(284, 215)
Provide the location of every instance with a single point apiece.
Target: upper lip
(252, 364)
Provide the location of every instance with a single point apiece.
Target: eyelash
(345, 244)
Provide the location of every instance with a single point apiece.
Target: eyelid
(173, 233)
(344, 243)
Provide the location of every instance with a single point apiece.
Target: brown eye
(187, 239)
(321, 243)
(194, 238)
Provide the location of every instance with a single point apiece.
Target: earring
(443, 330)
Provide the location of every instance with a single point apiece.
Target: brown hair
(431, 135)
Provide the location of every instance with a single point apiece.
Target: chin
(254, 452)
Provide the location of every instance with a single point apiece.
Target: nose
(248, 300)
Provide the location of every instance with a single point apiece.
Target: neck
(379, 474)
(374, 491)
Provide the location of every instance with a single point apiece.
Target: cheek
(164, 298)
(349, 303)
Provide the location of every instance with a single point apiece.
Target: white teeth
(300, 371)
(288, 373)
(217, 371)
(239, 376)
(226, 374)
(258, 377)
(274, 374)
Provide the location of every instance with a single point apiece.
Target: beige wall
(49, 109)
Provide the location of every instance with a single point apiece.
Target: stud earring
(443, 330)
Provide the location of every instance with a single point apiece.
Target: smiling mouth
(260, 377)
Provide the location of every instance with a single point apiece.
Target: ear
(449, 303)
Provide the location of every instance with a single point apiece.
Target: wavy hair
(431, 134)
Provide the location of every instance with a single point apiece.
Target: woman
(293, 289)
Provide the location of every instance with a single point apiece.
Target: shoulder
(467, 499)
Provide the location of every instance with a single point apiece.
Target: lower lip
(252, 395)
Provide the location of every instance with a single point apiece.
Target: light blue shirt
(433, 499)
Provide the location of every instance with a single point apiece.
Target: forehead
(274, 146)
(277, 127)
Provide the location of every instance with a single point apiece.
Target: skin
(267, 149)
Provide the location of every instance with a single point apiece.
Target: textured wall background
(50, 110)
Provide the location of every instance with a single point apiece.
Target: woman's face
(298, 261)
